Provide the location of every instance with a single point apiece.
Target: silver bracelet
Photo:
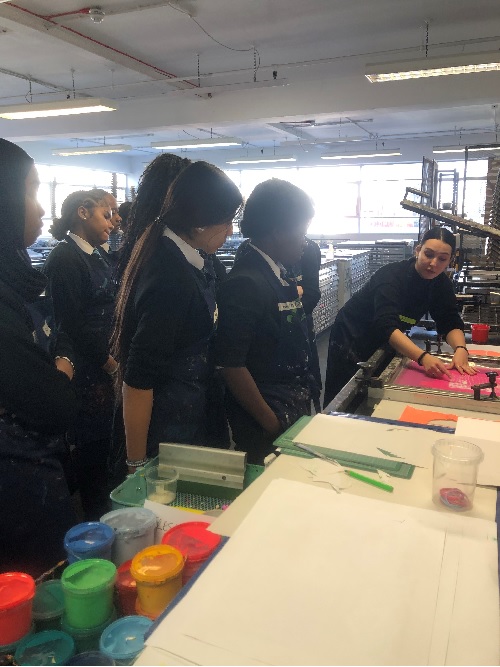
(137, 464)
(69, 362)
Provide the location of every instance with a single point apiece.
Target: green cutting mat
(347, 459)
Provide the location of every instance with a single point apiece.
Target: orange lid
(15, 588)
(192, 539)
(157, 564)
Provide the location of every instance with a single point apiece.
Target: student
(394, 299)
(37, 400)
(81, 286)
(112, 245)
(262, 343)
(166, 315)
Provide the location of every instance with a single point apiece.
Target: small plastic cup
(158, 573)
(123, 640)
(161, 483)
(90, 539)
(480, 333)
(126, 588)
(134, 529)
(94, 658)
(17, 591)
(195, 543)
(50, 647)
(88, 592)
(48, 605)
(454, 473)
(87, 639)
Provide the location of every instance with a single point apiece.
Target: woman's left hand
(460, 361)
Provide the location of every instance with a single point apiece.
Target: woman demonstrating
(394, 299)
(166, 315)
(262, 342)
(37, 401)
(83, 292)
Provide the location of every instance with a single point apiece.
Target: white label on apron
(289, 305)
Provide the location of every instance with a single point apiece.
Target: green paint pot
(87, 639)
(88, 592)
(48, 605)
(51, 647)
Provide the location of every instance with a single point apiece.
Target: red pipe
(95, 41)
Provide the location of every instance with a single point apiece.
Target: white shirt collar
(192, 255)
(276, 268)
(81, 243)
(105, 246)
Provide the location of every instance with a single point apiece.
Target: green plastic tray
(132, 492)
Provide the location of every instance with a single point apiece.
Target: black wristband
(419, 360)
(461, 347)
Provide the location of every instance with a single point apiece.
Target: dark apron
(95, 386)
(31, 533)
(181, 405)
(289, 393)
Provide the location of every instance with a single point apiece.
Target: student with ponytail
(83, 292)
(166, 315)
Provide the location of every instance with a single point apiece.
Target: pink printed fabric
(414, 376)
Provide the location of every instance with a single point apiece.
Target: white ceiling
(318, 50)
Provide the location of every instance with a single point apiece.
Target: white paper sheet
(312, 577)
(362, 437)
(484, 434)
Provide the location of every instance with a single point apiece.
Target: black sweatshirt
(31, 387)
(395, 297)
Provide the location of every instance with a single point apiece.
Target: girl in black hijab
(37, 401)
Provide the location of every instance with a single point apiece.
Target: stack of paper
(315, 578)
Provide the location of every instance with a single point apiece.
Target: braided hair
(15, 265)
(69, 210)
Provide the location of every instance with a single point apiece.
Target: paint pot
(94, 658)
(50, 647)
(10, 649)
(48, 605)
(134, 529)
(454, 473)
(90, 539)
(87, 639)
(480, 333)
(88, 592)
(195, 542)
(158, 573)
(126, 588)
(17, 591)
(123, 640)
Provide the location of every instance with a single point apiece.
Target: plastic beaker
(454, 473)
(88, 592)
(161, 484)
(480, 333)
(134, 531)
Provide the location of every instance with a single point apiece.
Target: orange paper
(416, 416)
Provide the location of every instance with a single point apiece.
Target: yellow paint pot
(157, 571)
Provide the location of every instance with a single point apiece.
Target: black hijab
(16, 271)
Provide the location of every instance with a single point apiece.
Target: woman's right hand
(434, 367)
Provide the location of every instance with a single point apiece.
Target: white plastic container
(454, 473)
(134, 531)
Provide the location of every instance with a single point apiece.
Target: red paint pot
(17, 591)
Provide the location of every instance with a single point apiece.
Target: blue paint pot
(123, 640)
(90, 539)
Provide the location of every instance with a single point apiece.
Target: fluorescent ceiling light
(61, 108)
(471, 149)
(257, 160)
(92, 150)
(460, 63)
(383, 152)
(219, 142)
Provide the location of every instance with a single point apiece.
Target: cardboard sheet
(405, 443)
(313, 577)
